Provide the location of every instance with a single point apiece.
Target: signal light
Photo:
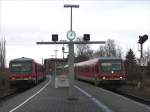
(142, 39)
(54, 37)
(86, 37)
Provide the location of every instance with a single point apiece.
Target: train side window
(90, 68)
(82, 69)
(86, 69)
(79, 69)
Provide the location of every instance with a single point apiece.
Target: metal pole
(142, 71)
(71, 20)
(42, 61)
(71, 57)
(141, 51)
(55, 66)
(71, 64)
(52, 56)
(63, 59)
(63, 51)
(55, 62)
(71, 70)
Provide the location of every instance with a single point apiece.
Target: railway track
(128, 95)
(9, 94)
(118, 91)
(13, 92)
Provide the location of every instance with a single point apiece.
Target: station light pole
(71, 36)
(71, 6)
(52, 56)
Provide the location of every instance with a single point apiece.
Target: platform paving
(46, 98)
(56, 100)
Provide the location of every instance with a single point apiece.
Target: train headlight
(104, 78)
(121, 77)
(12, 78)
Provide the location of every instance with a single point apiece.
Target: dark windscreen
(111, 66)
(21, 67)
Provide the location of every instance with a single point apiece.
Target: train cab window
(111, 66)
(106, 66)
(21, 67)
(116, 66)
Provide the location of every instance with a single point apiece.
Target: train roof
(109, 58)
(22, 59)
(95, 60)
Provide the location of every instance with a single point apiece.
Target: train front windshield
(21, 67)
(111, 66)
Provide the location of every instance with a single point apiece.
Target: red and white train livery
(26, 70)
(101, 69)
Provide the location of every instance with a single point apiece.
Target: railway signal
(142, 39)
(86, 37)
(54, 37)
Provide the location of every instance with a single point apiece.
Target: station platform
(46, 97)
(57, 100)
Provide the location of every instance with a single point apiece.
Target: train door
(36, 74)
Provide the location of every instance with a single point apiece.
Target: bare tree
(147, 55)
(110, 49)
(84, 52)
(100, 52)
(119, 52)
(2, 53)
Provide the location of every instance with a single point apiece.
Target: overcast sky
(23, 23)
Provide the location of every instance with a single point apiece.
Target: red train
(103, 69)
(26, 70)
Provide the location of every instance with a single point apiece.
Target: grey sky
(23, 23)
